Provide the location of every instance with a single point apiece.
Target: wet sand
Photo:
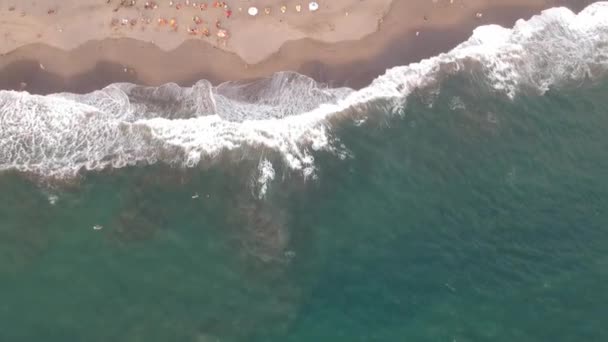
(432, 28)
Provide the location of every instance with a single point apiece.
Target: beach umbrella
(313, 6)
(252, 11)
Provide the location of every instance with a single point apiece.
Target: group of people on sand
(197, 27)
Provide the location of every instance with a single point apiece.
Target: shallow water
(467, 217)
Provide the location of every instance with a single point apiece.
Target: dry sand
(75, 48)
(67, 24)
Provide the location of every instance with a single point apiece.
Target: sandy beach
(78, 46)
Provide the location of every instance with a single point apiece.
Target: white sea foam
(266, 176)
(52, 199)
(125, 124)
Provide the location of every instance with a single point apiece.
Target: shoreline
(355, 64)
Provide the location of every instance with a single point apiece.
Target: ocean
(462, 198)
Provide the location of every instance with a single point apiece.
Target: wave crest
(125, 124)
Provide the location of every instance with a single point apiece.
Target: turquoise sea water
(467, 217)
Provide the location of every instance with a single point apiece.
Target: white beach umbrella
(253, 11)
(313, 6)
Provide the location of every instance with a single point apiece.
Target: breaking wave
(124, 124)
